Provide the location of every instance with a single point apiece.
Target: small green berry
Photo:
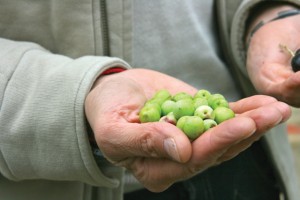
(200, 101)
(222, 114)
(181, 95)
(160, 97)
(192, 126)
(170, 118)
(168, 106)
(209, 123)
(184, 107)
(153, 104)
(149, 114)
(202, 94)
(155, 100)
(205, 112)
(215, 96)
(219, 102)
(162, 94)
(181, 121)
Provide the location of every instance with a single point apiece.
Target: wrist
(266, 14)
(95, 149)
(109, 71)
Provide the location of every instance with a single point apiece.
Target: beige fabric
(45, 150)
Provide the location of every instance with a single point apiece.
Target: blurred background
(293, 126)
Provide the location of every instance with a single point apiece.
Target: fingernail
(171, 148)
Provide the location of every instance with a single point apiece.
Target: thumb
(213, 146)
(152, 140)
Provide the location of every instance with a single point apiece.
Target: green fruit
(219, 102)
(168, 106)
(149, 114)
(193, 115)
(162, 94)
(180, 123)
(205, 112)
(202, 94)
(222, 114)
(153, 104)
(192, 126)
(170, 118)
(181, 95)
(160, 97)
(200, 102)
(209, 123)
(184, 107)
(213, 97)
(158, 101)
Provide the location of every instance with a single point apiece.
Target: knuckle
(148, 145)
(150, 142)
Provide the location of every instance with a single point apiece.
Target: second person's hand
(269, 65)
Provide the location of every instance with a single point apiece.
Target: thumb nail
(171, 148)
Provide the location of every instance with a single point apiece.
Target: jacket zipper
(104, 28)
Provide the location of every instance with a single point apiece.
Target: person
(74, 75)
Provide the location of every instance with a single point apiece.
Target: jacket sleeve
(42, 122)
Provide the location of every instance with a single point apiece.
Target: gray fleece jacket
(52, 51)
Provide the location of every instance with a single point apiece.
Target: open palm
(158, 154)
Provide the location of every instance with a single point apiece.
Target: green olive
(213, 97)
(168, 106)
(209, 123)
(205, 112)
(170, 118)
(202, 94)
(184, 107)
(219, 102)
(154, 104)
(149, 114)
(192, 126)
(200, 101)
(222, 114)
(181, 95)
(162, 94)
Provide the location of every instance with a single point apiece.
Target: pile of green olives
(193, 114)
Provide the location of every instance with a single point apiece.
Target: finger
(209, 147)
(265, 119)
(251, 103)
(293, 81)
(269, 115)
(289, 90)
(156, 139)
(221, 143)
(234, 150)
(157, 174)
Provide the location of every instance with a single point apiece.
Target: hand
(159, 154)
(269, 66)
